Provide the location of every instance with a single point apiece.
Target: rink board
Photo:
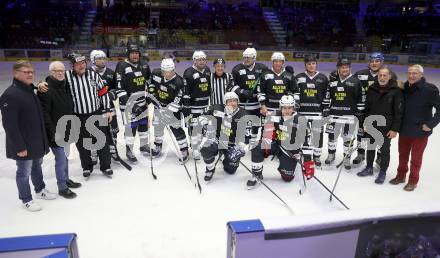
(338, 235)
(48, 246)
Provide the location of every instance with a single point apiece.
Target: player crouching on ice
(279, 137)
(222, 128)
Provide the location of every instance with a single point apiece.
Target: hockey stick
(340, 167)
(268, 188)
(320, 182)
(178, 152)
(195, 162)
(304, 188)
(118, 158)
(159, 106)
(261, 181)
(151, 150)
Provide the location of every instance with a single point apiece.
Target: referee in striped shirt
(221, 82)
(90, 98)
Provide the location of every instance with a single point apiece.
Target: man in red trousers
(417, 124)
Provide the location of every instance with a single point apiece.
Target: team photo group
(272, 113)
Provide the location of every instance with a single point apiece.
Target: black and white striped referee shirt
(219, 86)
(85, 91)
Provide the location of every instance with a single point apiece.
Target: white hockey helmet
(250, 52)
(278, 56)
(167, 65)
(198, 54)
(287, 101)
(95, 54)
(230, 95)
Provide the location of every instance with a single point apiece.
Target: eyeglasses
(26, 72)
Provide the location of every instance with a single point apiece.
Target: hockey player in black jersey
(197, 92)
(347, 105)
(99, 64)
(274, 84)
(281, 140)
(132, 75)
(367, 77)
(246, 76)
(312, 87)
(165, 91)
(222, 123)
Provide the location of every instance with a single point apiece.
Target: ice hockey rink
(133, 215)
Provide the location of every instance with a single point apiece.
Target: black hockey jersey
(197, 90)
(108, 79)
(130, 78)
(168, 93)
(226, 126)
(284, 132)
(247, 79)
(346, 98)
(272, 87)
(312, 94)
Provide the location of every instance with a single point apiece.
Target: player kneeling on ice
(282, 138)
(222, 129)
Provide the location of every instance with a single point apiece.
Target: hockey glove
(245, 93)
(235, 153)
(309, 169)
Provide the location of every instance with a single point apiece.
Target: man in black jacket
(417, 124)
(56, 104)
(26, 141)
(385, 99)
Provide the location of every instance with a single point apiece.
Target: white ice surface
(132, 215)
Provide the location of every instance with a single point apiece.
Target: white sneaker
(32, 206)
(46, 195)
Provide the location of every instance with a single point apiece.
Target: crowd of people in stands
(309, 25)
(323, 24)
(39, 23)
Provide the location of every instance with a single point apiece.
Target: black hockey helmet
(310, 58)
(219, 61)
(343, 61)
(132, 48)
(75, 57)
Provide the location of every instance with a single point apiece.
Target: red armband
(103, 91)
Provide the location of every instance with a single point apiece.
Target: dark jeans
(61, 167)
(24, 169)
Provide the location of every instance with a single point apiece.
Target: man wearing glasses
(56, 103)
(26, 141)
(417, 125)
